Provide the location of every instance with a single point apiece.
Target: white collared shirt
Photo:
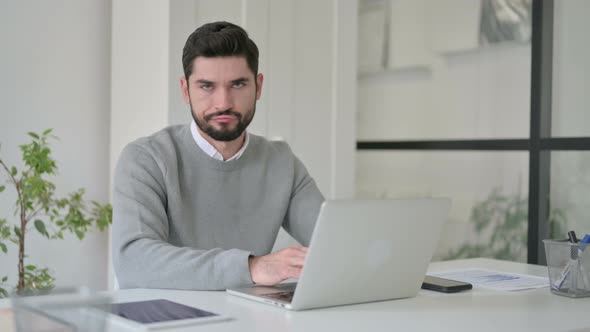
(210, 149)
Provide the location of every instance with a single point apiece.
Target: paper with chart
(502, 281)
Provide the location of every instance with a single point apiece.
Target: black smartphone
(444, 285)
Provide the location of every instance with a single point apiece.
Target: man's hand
(276, 267)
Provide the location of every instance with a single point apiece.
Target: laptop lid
(369, 250)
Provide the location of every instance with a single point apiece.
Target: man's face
(222, 94)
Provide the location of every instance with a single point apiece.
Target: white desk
(475, 310)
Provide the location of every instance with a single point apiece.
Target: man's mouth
(224, 118)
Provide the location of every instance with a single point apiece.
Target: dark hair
(219, 39)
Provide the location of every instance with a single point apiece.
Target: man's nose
(223, 99)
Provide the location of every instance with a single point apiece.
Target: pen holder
(66, 310)
(569, 268)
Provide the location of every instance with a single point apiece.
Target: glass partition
(570, 192)
(488, 190)
(571, 69)
(447, 69)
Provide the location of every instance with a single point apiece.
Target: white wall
(55, 73)
(140, 59)
(182, 24)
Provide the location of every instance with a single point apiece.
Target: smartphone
(444, 285)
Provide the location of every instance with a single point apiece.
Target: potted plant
(37, 208)
(500, 224)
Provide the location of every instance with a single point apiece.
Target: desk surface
(475, 310)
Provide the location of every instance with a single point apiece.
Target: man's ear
(184, 88)
(259, 81)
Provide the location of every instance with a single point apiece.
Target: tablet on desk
(158, 314)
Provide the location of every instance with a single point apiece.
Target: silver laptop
(362, 251)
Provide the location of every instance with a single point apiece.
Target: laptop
(362, 251)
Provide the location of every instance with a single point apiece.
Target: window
(474, 121)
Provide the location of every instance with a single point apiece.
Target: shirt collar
(210, 149)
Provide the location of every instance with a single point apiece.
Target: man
(199, 206)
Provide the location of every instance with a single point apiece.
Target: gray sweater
(184, 220)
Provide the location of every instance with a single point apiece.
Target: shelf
(418, 70)
(484, 49)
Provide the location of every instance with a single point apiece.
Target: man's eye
(206, 87)
(238, 85)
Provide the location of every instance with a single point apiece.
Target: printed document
(501, 281)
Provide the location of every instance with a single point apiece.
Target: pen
(572, 237)
(574, 254)
(585, 240)
(583, 272)
(558, 284)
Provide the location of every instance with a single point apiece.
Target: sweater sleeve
(304, 205)
(142, 256)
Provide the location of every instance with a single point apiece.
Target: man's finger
(293, 272)
(303, 249)
(299, 248)
(297, 261)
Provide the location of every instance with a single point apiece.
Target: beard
(225, 134)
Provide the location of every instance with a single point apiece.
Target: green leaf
(47, 132)
(3, 247)
(2, 188)
(40, 226)
(3, 292)
(4, 279)
(30, 267)
(13, 171)
(17, 231)
(33, 135)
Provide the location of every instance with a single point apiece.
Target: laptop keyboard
(281, 296)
